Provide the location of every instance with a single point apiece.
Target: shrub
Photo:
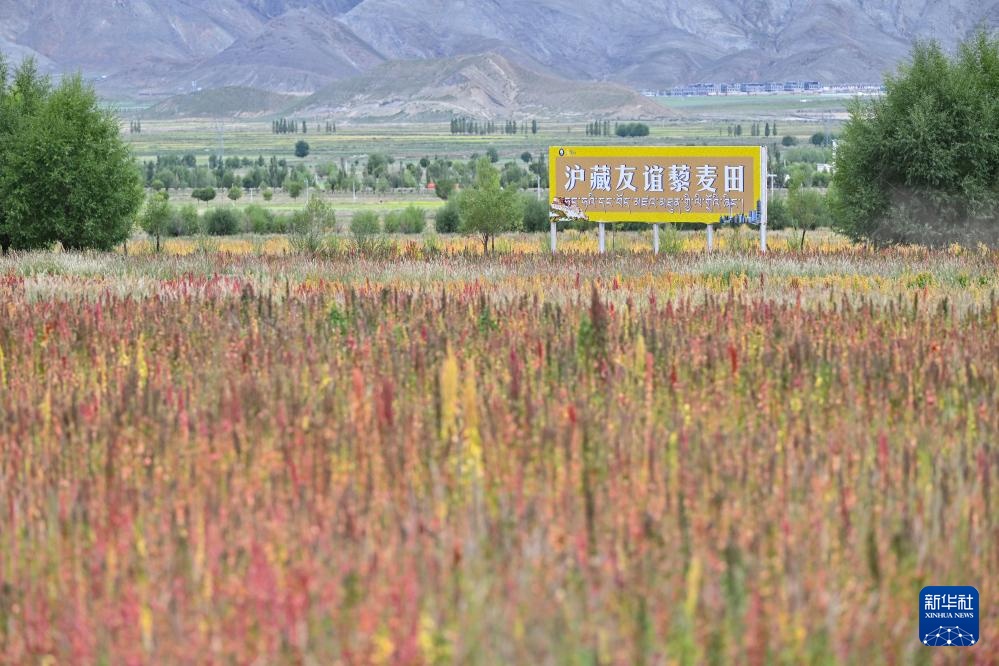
(670, 239)
(259, 220)
(185, 222)
(789, 141)
(393, 222)
(222, 222)
(365, 224)
(448, 218)
(536, 214)
(411, 220)
(777, 214)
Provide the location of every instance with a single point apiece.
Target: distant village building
(761, 88)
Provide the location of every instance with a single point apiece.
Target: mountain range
(160, 47)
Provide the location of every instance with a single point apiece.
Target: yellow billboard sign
(659, 184)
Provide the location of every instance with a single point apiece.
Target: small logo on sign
(948, 616)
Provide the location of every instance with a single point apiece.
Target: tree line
(289, 126)
(472, 126)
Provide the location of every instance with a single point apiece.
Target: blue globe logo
(944, 636)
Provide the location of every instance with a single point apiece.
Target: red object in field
(431, 186)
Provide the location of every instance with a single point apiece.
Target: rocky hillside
(479, 86)
(297, 46)
(656, 43)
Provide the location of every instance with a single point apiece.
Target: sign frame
(755, 154)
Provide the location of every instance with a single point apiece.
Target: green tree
(157, 217)
(203, 194)
(302, 148)
(378, 164)
(235, 193)
(632, 130)
(309, 226)
(921, 163)
(445, 188)
(487, 209)
(294, 188)
(65, 174)
(788, 141)
(806, 210)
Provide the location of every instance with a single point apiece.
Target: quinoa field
(433, 457)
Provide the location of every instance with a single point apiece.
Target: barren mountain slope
(162, 46)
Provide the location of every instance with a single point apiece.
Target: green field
(695, 123)
(738, 107)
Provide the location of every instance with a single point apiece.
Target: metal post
(655, 239)
(711, 237)
(603, 239)
(764, 158)
(553, 237)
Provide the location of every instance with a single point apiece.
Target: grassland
(739, 108)
(427, 456)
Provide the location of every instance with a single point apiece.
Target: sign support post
(655, 239)
(603, 239)
(711, 237)
(764, 164)
(553, 237)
